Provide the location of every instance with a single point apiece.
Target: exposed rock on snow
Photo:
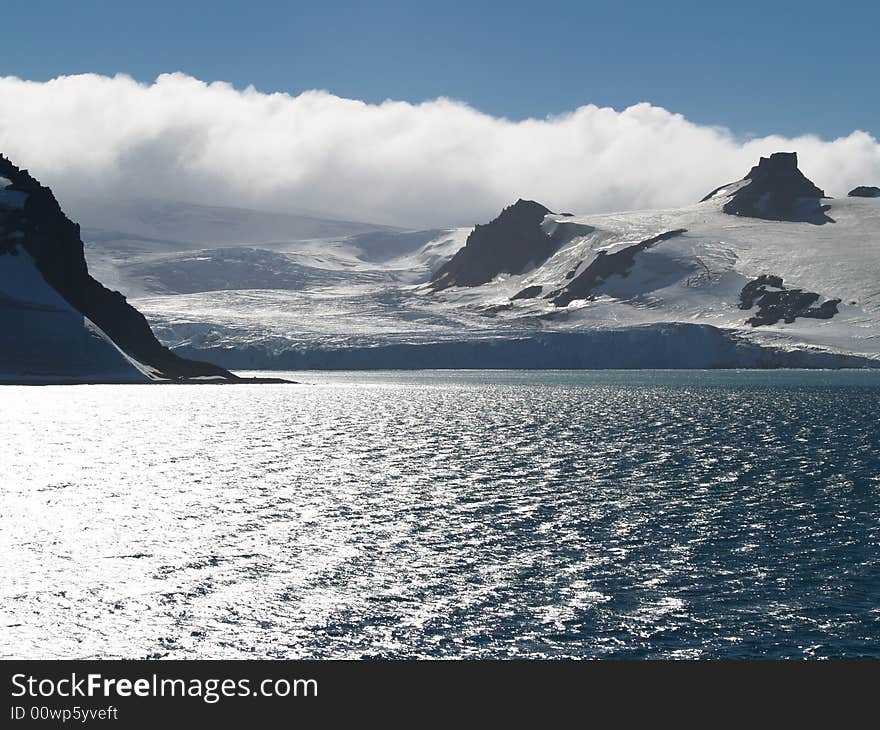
(509, 244)
(775, 189)
(865, 191)
(756, 289)
(342, 302)
(530, 292)
(775, 302)
(604, 266)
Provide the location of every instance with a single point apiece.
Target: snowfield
(697, 277)
(763, 272)
(362, 300)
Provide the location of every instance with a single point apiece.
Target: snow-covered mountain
(57, 323)
(764, 272)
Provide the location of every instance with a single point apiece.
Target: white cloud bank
(436, 163)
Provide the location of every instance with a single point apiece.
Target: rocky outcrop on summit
(509, 244)
(864, 191)
(40, 227)
(775, 302)
(775, 189)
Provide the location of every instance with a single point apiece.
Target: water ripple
(465, 515)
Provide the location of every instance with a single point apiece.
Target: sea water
(444, 514)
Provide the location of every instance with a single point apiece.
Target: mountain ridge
(646, 273)
(53, 241)
(533, 288)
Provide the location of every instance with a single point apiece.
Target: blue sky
(755, 67)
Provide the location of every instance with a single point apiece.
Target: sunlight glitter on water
(444, 514)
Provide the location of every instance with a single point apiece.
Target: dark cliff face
(865, 191)
(776, 190)
(508, 244)
(54, 242)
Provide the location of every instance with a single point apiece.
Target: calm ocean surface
(444, 514)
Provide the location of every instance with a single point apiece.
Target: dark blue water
(468, 514)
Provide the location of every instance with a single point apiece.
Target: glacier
(284, 301)
(246, 289)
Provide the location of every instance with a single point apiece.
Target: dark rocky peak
(509, 244)
(774, 189)
(865, 191)
(40, 226)
(781, 170)
(49, 236)
(20, 179)
(522, 212)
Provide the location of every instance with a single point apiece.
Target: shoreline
(264, 380)
(238, 381)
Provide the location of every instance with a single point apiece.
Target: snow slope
(362, 300)
(44, 339)
(143, 247)
(697, 277)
